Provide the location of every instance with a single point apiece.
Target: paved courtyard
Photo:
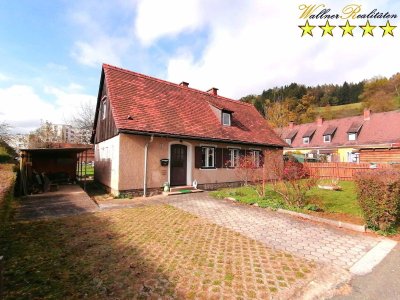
(302, 238)
(68, 200)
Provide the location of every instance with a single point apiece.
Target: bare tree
(83, 119)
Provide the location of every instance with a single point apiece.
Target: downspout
(146, 148)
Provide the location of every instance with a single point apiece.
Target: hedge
(379, 197)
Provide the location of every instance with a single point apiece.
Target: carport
(43, 169)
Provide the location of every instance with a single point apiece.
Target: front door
(178, 164)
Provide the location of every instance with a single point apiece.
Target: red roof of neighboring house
(160, 107)
(373, 129)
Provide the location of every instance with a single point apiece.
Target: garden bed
(336, 205)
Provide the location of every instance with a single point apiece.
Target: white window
(352, 136)
(207, 157)
(256, 158)
(327, 138)
(306, 140)
(226, 119)
(288, 141)
(233, 158)
(104, 109)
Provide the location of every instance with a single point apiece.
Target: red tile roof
(381, 129)
(160, 107)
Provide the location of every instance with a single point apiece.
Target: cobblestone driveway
(313, 241)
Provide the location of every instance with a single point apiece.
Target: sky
(51, 52)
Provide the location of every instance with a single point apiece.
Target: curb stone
(340, 224)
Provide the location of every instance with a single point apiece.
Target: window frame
(229, 116)
(329, 140)
(306, 138)
(352, 134)
(288, 141)
(104, 109)
(234, 155)
(257, 161)
(204, 163)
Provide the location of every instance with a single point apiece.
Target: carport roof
(49, 150)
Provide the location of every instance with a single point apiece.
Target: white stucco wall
(106, 167)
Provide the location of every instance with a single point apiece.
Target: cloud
(256, 45)
(23, 108)
(4, 77)
(158, 18)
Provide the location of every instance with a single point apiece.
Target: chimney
(320, 120)
(367, 114)
(291, 125)
(213, 91)
(184, 83)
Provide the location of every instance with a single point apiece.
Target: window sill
(208, 168)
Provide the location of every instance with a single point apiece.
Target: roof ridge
(174, 84)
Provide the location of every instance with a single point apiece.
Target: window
(256, 158)
(288, 141)
(104, 109)
(208, 157)
(306, 140)
(233, 158)
(327, 138)
(226, 119)
(352, 136)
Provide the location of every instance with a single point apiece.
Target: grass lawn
(341, 205)
(156, 252)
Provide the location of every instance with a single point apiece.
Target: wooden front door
(178, 165)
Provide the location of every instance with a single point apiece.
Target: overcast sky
(51, 51)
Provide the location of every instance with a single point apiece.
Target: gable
(104, 124)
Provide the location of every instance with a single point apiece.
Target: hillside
(339, 111)
(302, 104)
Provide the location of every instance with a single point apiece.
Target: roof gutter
(188, 137)
(146, 148)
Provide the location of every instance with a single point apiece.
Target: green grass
(340, 111)
(344, 201)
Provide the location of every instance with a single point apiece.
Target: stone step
(181, 188)
(182, 192)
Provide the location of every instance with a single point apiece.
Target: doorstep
(178, 190)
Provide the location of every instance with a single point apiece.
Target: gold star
(347, 29)
(307, 29)
(368, 28)
(327, 29)
(387, 29)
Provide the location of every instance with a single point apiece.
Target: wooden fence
(341, 170)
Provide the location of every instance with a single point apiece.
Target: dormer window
(329, 132)
(352, 136)
(308, 135)
(327, 138)
(353, 131)
(226, 118)
(289, 138)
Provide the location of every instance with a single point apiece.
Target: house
(149, 131)
(371, 137)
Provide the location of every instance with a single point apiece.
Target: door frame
(189, 161)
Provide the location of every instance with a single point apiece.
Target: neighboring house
(148, 131)
(372, 137)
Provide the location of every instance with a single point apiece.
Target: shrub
(379, 197)
(293, 183)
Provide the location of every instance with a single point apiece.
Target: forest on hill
(302, 104)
